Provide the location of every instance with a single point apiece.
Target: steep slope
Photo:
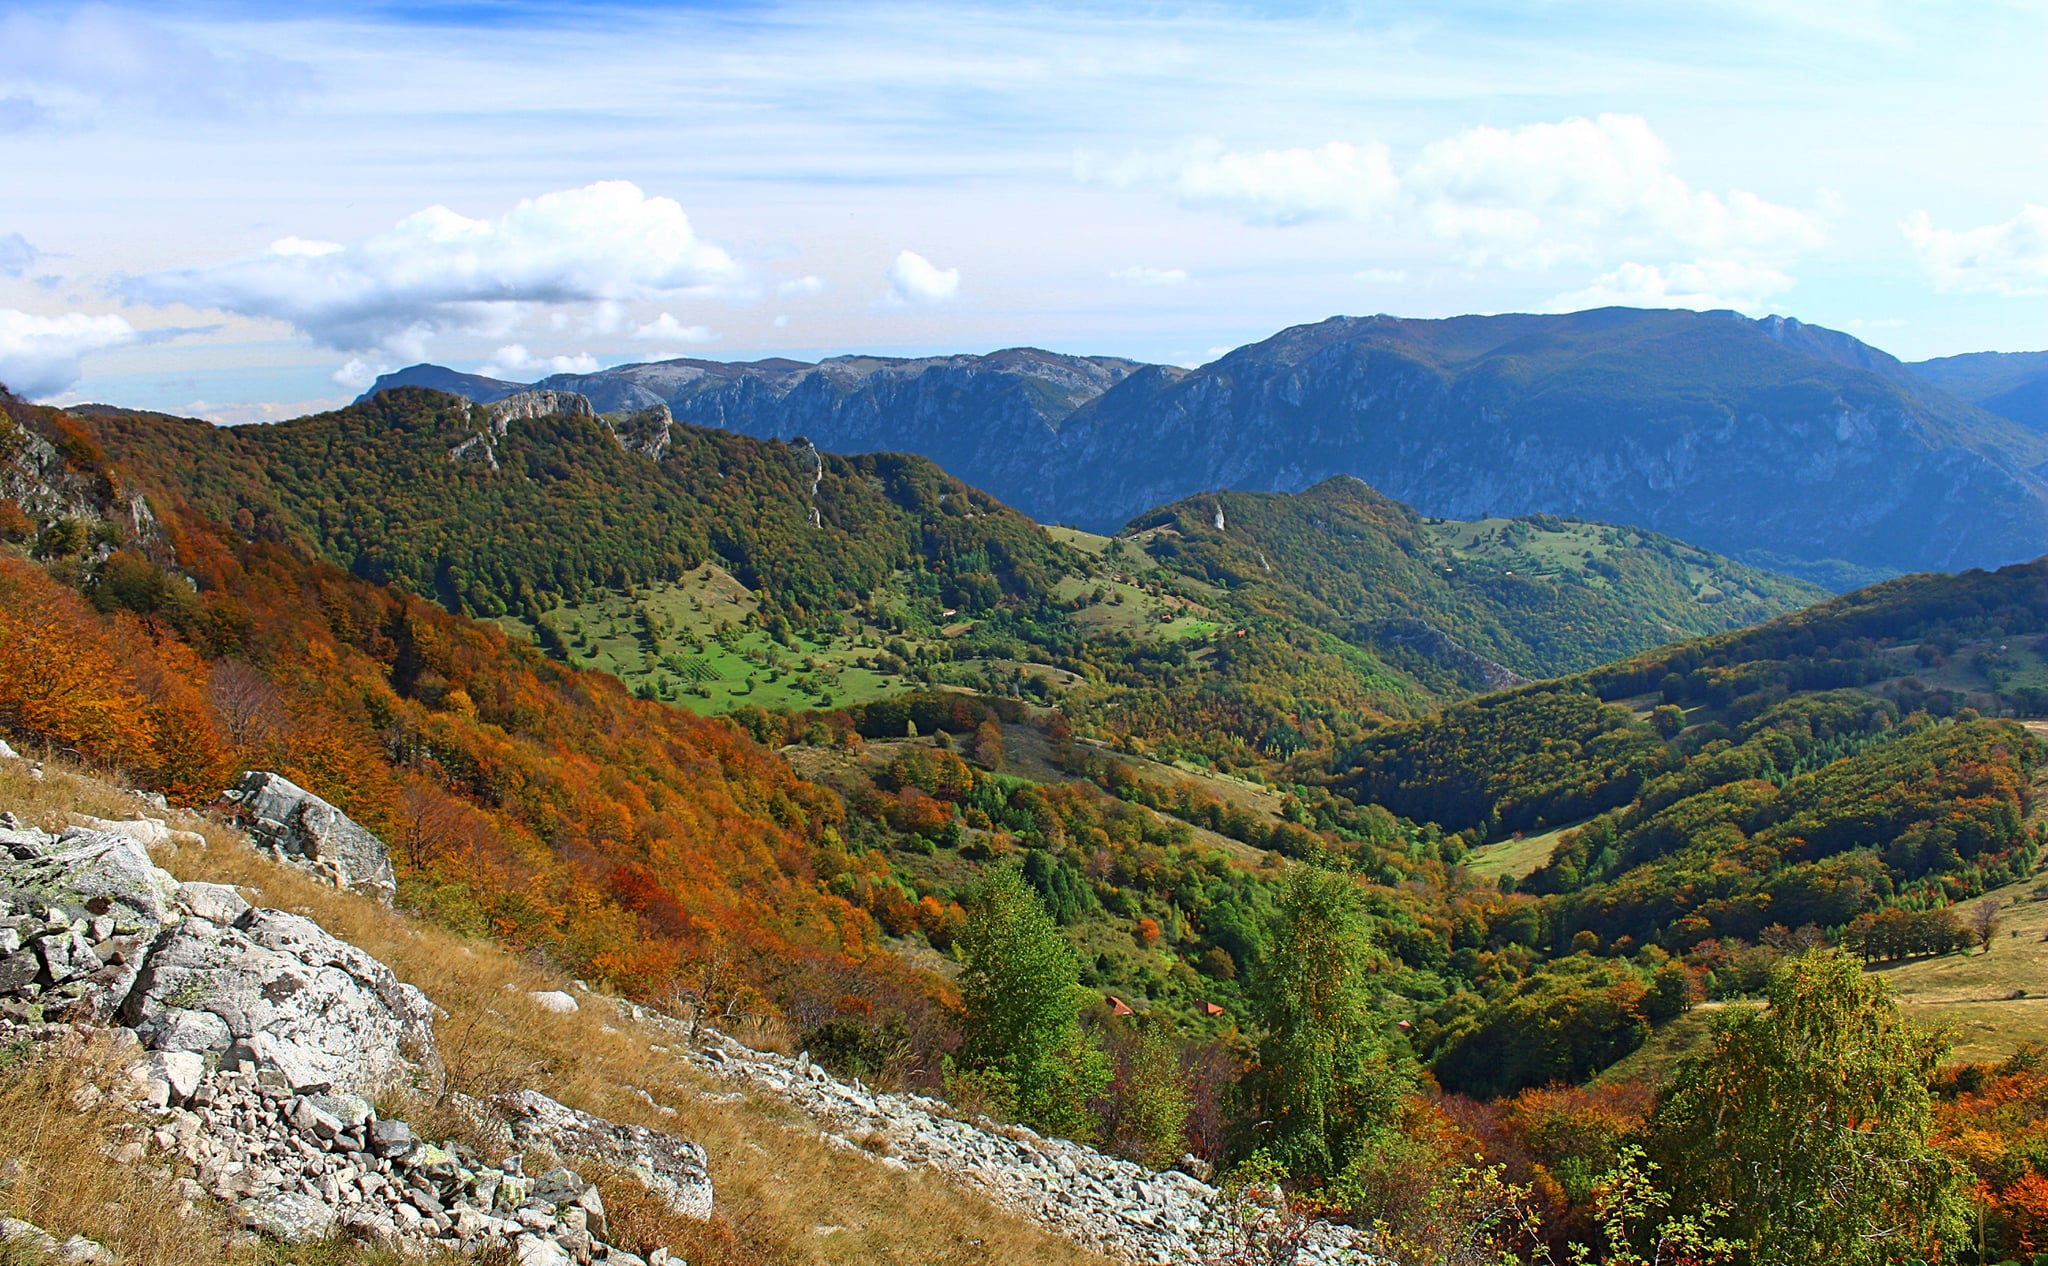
(991, 415)
(671, 560)
(479, 507)
(475, 387)
(1726, 432)
(2011, 384)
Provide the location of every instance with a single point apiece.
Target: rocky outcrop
(671, 1168)
(20, 1236)
(51, 487)
(535, 404)
(78, 913)
(304, 1167)
(643, 431)
(259, 1041)
(273, 991)
(1116, 1207)
(294, 825)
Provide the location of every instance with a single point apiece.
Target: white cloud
(666, 329)
(2010, 257)
(437, 271)
(241, 413)
(356, 375)
(1578, 191)
(1381, 276)
(915, 279)
(513, 359)
(801, 287)
(1703, 285)
(39, 355)
(1141, 276)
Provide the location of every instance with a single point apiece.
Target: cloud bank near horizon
(346, 187)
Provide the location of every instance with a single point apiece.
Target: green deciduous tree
(1022, 992)
(1808, 1121)
(1151, 1097)
(1325, 1077)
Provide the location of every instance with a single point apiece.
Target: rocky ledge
(1116, 1207)
(256, 1041)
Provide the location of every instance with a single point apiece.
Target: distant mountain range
(1784, 444)
(2010, 384)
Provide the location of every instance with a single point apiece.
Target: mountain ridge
(1788, 445)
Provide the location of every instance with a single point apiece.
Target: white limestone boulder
(296, 826)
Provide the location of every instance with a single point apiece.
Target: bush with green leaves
(1808, 1121)
(1024, 1048)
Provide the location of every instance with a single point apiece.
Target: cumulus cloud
(1140, 276)
(2010, 257)
(1707, 284)
(16, 255)
(913, 279)
(513, 359)
(438, 272)
(357, 374)
(1579, 191)
(39, 355)
(801, 287)
(666, 329)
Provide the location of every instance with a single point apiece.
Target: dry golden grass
(1994, 1000)
(783, 1196)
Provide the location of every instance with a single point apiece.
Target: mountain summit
(1781, 443)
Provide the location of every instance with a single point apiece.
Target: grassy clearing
(783, 1196)
(1995, 999)
(1087, 542)
(694, 643)
(1118, 606)
(1515, 857)
(1654, 1059)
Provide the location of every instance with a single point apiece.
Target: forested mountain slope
(1732, 434)
(1529, 596)
(1783, 444)
(1731, 800)
(988, 419)
(721, 571)
(2011, 384)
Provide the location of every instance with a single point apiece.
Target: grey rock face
(216, 903)
(77, 913)
(291, 1216)
(536, 404)
(1772, 441)
(298, 826)
(317, 1010)
(672, 1168)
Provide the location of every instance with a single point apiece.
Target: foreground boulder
(296, 826)
(77, 914)
(274, 991)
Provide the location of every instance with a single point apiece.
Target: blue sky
(244, 211)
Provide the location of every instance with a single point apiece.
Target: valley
(697, 716)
